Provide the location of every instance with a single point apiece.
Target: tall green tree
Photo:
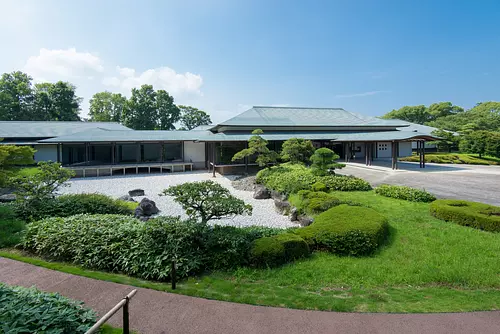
(65, 103)
(257, 146)
(107, 107)
(297, 150)
(168, 112)
(414, 114)
(140, 111)
(443, 109)
(192, 117)
(43, 104)
(16, 97)
(475, 142)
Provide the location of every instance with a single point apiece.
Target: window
(173, 152)
(382, 147)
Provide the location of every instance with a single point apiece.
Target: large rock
(146, 208)
(261, 192)
(276, 195)
(293, 214)
(127, 198)
(304, 220)
(7, 198)
(136, 192)
(282, 206)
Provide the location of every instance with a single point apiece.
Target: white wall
(195, 152)
(405, 149)
(46, 153)
(384, 149)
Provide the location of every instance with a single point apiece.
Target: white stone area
(264, 213)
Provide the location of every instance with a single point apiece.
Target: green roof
(34, 129)
(305, 117)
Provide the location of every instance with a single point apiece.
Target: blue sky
(224, 56)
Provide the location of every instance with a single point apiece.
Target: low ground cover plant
(473, 214)
(455, 158)
(405, 193)
(277, 250)
(124, 244)
(346, 230)
(74, 204)
(28, 310)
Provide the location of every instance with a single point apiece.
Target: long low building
(99, 148)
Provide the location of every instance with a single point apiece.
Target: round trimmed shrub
(277, 250)
(473, 214)
(346, 230)
(319, 186)
(405, 193)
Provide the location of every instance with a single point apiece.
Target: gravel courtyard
(264, 213)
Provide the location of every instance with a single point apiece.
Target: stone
(276, 195)
(304, 220)
(127, 198)
(146, 209)
(7, 198)
(282, 206)
(261, 192)
(293, 214)
(136, 192)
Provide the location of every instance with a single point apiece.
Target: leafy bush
(473, 214)
(314, 202)
(124, 244)
(277, 250)
(10, 227)
(324, 161)
(297, 150)
(346, 230)
(74, 204)
(345, 183)
(319, 186)
(28, 310)
(406, 193)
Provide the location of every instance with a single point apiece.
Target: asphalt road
(159, 312)
(473, 183)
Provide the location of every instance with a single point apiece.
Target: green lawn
(427, 266)
(455, 158)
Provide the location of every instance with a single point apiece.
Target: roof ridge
(283, 107)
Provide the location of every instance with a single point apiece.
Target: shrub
(345, 183)
(277, 250)
(405, 193)
(319, 186)
(314, 202)
(70, 205)
(346, 230)
(10, 227)
(323, 161)
(473, 214)
(28, 310)
(297, 150)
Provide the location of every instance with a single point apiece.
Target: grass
(107, 329)
(10, 227)
(455, 158)
(427, 266)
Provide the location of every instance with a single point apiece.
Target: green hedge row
(75, 204)
(346, 230)
(124, 244)
(28, 310)
(289, 179)
(277, 250)
(405, 193)
(473, 214)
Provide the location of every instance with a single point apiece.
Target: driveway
(468, 182)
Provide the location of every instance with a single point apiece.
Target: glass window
(126, 153)
(73, 154)
(173, 152)
(151, 152)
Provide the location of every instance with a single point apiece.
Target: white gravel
(264, 213)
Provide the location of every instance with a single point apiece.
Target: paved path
(159, 312)
(467, 182)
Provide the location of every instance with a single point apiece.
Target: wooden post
(213, 156)
(58, 152)
(86, 153)
(392, 151)
(173, 275)
(138, 153)
(162, 153)
(113, 149)
(423, 154)
(366, 154)
(126, 325)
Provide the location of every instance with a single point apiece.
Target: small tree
(475, 142)
(207, 200)
(297, 150)
(448, 141)
(257, 146)
(323, 161)
(34, 189)
(11, 155)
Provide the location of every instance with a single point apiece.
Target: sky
(224, 56)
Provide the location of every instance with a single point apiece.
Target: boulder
(7, 198)
(145, 209)
(136, 192)
(293, 214)
(282, 206)
(277, 195)
(261, 192)
(127, 198)
(304, 220)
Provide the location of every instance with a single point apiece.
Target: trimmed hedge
(75, 204)
(277, 250)
(143, 249)
(473, 214)
(405, 193)
(346, 230)
(28, 310)
(314, 202)
(345, 183)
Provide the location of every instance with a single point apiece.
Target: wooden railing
(122, 304)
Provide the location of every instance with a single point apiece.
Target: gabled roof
(40, 129)
(294, 116)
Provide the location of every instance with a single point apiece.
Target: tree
(323, 161)
(449, 140)
(475, 142)
(168, 112)
(107, 107)
(192, 117)
(12, 155)
(415, 114)
(140, 111)
(257, 146)
(16, 97)
(297, 150)
(443, 109)
(207, 200)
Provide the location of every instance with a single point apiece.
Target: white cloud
(375, 92)
(177, 84)
(63, 64)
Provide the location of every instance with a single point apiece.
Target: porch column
(58, 152)
(162, 153)
(393, 160)
(423, 154)
(86, 153)
(113, 154)
(138, 153)
(367, 157)
(213, 156)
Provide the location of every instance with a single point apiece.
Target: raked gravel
(264, 213)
